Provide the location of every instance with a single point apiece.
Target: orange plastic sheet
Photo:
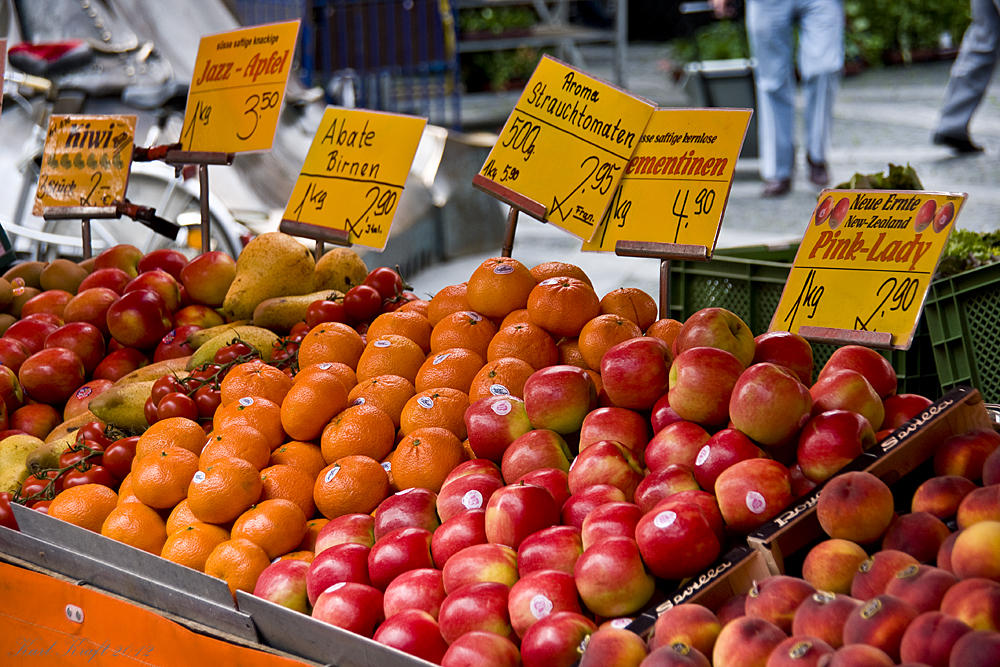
(45, 621)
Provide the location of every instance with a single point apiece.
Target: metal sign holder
(518, 204)
(85, 214)
(880, 340)
(665, 252)
(321, 235)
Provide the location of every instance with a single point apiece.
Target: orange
(311, 403)
(632, 304)
(276, 526)
(180, 516)
(569, 353)
(455, 368)
(389, 393)
(347, 376)
(448, 300)
(239, 440)
(441, 406)
(425, 457)
(84, 505)
(255, 378)
(463, 329)
(138, 526)
(404, 323)
(125, 493)
(239, 563)
(601, 334)
(563, 305)
(362, 429)
(305, 456)
(500, 285)
(171, 432)
(256, 412)
(306, 555)
(191, 545)
(421, 306)
(333, 342)
(547, 270)
(223, 490)
(390, 355)
(526, 342)
(289, 483)
(351, 485)
(665, 329)
(161, 478)
(313, 526)
(503, 376)
(519, 316)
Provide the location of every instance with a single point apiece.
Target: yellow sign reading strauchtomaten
(236, 91)
(676, 186)
(566, 144)
(866, 261)
(85, 162)
(354, 173)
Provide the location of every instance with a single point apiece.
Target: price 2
(99, 195)
(599, 176)
(896, 295)
(381, 203)
(522, 136)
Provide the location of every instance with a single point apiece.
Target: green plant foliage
(720, 40)
(898, 178)
(877, 26)
(496, 20)
(967, 250)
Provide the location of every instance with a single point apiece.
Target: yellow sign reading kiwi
(566, 145)
(237, 88)
(866, 261)
(354, 173)
(676, 185)
(85, 162)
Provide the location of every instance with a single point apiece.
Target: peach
(797, 651)
(976, 602)
(880, 622)
(980, 505)
(944, 553)
(941, 496)
(859, 655)
(919, 534)
(731, 609)
(965, 453)
(929, 638)
(745, 642)
(875, 573)
(616, 646)
(823, 615)
(855, 506)
(776, 598)
(976, 649)
(991, 468)
(923, 586)
(977, 552)
(673, 655)
(831, 565)
(691, 624)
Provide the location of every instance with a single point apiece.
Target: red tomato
(362, 303)
(205, 372)
(80, 451)
(118, 457)
(149, 411)
(300, 329)
(93, 475)
(230, 353)
(176, 404)
(397, 302)
(322, 310)
(34, 485)
(41, 506)
(385, 280)
(94, 431)
(6, 514)
(207, 400)
(165, 385)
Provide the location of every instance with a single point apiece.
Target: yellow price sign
(866, 261)
(236, 91)
(85, 162)
(566, 144)
(676, 185)
(354, 173)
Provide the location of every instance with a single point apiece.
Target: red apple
(608, 521)
(473, 467)
(579, 505)
(284, 582)
(51, 301)
(663, 415)
(110, 278)
(541, 448)
(753, 492)
(801, 485)
(636, 372)
(876, 368)
(139, 319)
(414, 632)
(667, 481)
(199, 316)
(13, 353)
(717, 328)
(341, 562)
(724, 449)
(555, 548)
(514, 512)
(37, 419)
(417, 589)
(208, 276)
(553, 480)
(10, 388)
(469, 492)
(162, 283)
(477, 606)
(556, 640)
(351, 606)
(619, 424)
(79, 402)
(482, 649)
(481, 562)
(702, 380)
(606, 462)
(465, 529)
(494, 423)
(175, 344)
(120, 363)
(678, 443)
(705, 501)
(769, 404)
(539, 594)
(31, 333)
(830, 441)
(46, 317)
(677, 540)
(123, 256)
(847, 390)
(557, 398)
(612, 579)
(84, 339)
(166, 259)
(91, 306)
(410, 507)
(788, 350)
(901, 408)
(51, 375)
(399, 551)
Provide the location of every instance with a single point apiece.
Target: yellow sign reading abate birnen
(676, 186)
(354, 173)
(237, 88)
(866, 261)
(566, 144)
(85, 161)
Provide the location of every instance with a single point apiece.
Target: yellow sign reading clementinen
(566, 144)
(354, 173)
(866, 261)
(85, 162)
(236, 91)
(676, 186)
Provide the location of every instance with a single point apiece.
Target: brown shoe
(777, 187)
(818, 173)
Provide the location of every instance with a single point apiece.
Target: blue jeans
(973, 69)
(820, 60)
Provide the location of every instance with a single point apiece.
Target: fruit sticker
(865, 264)
(675, 187)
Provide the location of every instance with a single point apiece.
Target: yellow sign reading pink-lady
(675, 187)
(866, 261)
(236, 91)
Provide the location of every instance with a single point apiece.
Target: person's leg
(821, 59)
(769, 29)
(970, 75)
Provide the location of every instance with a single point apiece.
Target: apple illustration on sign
(925, 215)
(823, 210)
(944, 216)
(839, 212)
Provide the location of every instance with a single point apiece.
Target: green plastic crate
(749, 281)
(963, 314)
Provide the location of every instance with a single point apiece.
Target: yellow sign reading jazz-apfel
(867, 260)
(85, 161)
(675, 187)
(566, 144)
(236, 91)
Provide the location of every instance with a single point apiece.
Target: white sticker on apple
(703, 455)
(503, 269)
(246, 401)
(198, 478)
(382, 343)
(331, 473)
(499, 390)
(540, 606)
(336, 587)
(664, 519)
(425, 402)
(756, 502)
(472, 500)
(501, 408)
(441, 357)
